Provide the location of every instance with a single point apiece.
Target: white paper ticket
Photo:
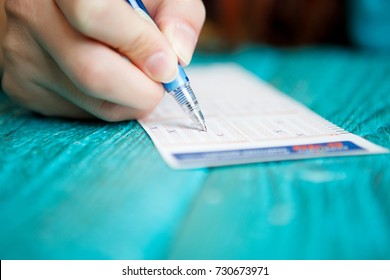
(248, 121)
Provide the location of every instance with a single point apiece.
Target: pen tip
(203, 127)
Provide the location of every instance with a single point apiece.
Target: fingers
(72, 67)
(181, 22)
(58, 72)
(55, 95)
(116, 24)
(48, 102)
(95, 69)
(40, 100)
(100, 108)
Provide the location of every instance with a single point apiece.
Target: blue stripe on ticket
(270, 152)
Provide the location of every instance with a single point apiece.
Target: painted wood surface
(95, 190)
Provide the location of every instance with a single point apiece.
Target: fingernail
(161, 68)
(184, 42)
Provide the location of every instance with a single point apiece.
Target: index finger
(117, 25)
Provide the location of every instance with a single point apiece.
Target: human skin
(2, 32)
(67, 58)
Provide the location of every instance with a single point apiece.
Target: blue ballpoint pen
(180, 87)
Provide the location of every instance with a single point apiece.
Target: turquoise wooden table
(94, 190)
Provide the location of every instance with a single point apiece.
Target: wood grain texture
(93, 190)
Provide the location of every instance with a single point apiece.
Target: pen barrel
(138, 4)
(180, 81)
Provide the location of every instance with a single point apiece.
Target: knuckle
(85, 14)
(17, 57)
(28, 96)
(13, 7)
(142, 43)
(18, 9)
(90, 75)
(14, 92)
(8, 45)
(7, 84)
(10, 49)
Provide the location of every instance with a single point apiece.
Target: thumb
(181, 22)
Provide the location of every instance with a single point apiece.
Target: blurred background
(352, 23)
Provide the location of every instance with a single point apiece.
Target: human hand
(3, 24)
(65, 57)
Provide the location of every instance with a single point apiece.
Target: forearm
(2, 32)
